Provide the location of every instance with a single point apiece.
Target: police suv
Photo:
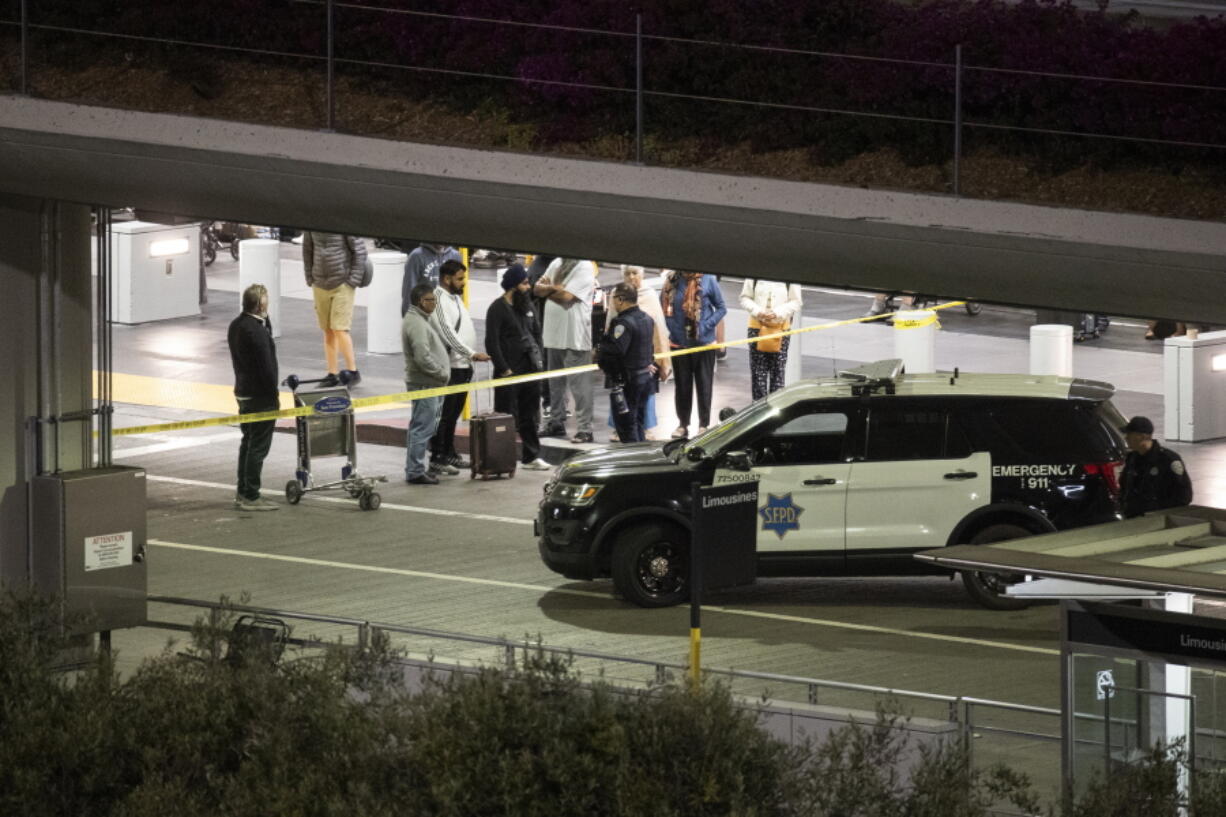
(855, 473)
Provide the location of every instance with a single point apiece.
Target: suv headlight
(575, 495)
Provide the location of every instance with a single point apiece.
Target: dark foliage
(727, 72)
(333, 732)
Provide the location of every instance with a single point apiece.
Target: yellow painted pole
(464, 259)
(695, 657)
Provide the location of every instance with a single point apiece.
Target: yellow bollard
(464, 259)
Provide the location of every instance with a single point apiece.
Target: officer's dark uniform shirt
(626, 349)
(1154, 481)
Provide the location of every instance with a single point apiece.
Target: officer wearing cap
(625, 355)
(1154, 477)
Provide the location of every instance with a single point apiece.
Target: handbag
(770, 345)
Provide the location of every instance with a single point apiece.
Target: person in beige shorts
(334, 265)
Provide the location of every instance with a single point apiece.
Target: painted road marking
(173, 445)
(538, 588)
(510, 520)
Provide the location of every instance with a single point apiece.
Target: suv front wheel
(651, 564)
(989, 588)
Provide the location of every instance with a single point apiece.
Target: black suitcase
(491, 444)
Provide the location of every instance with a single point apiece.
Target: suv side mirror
(738, 460)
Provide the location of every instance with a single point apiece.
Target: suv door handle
(820, 481)
(961, 475)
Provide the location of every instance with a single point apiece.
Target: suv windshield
(717, 436)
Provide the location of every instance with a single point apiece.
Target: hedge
(334, 732)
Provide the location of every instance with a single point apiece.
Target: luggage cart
(329, 432)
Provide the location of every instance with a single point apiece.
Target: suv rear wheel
(651, 564)
(989, 588)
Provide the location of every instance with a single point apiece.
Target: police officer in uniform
(1154, 477)
(625, 355)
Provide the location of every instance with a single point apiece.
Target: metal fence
(631, 45)
(994, 731)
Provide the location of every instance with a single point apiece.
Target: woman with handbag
(693, 305)
(772, 305)
(510, 341)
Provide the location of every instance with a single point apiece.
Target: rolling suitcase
(491, 443)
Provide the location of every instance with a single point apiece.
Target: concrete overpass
(820, 234)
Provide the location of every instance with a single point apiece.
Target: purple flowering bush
(727, 73)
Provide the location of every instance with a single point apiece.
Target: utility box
(156, 271)
(89, 546)
(1194, 387)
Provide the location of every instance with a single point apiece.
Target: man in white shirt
(567, 287)
(453, 323)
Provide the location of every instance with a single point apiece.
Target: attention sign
(108, 550)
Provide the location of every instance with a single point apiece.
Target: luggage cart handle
(293, 381)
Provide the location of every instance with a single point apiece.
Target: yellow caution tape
(915, 323)
(441, 391)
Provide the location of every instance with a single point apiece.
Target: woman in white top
(772, 306)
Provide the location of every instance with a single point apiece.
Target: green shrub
(332, 731)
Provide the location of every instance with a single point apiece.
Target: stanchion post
(695, 602)
(958, 119)
(331, 69)
(638, 89)
(25, 47)
(465, 412)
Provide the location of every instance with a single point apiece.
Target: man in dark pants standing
(510, 339)
(626, 356)
(254, 356)
(454, 325)
(1154, 477)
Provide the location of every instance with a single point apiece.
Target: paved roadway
(461, 557)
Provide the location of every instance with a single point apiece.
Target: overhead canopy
(995, 251)
(1181, 551)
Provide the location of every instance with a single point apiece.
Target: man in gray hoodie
(426, 365)
(423, 265)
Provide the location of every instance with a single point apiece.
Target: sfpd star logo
(780, 514)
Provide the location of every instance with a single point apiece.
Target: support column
(1178, 678)
(915, 340)
(259, 262)
(1051, 349)
(46, 336)
(793, 371)
(383, 306)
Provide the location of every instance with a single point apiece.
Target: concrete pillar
(45, 275)
(259, 262)
(915, 340)
(792, 372)
(1051, 349)
(383, 307)
(1178, 681)
(1194, 375)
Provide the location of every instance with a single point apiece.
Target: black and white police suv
(856, 473)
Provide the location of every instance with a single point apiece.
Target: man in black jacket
(254, 356)
(1154, 477)
(510, 341)
(626, 356)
